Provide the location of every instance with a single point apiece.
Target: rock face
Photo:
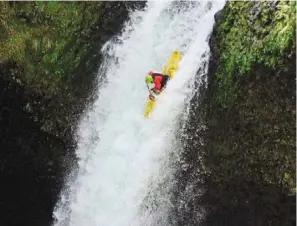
(245, 158)
(55, 46)
(49, 54)
(31, 162)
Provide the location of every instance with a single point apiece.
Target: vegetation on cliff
(251, 113)
(49, 54)
(249, 34)
(246, 159)
(47, 40)
(55, 47)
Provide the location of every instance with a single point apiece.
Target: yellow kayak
(169, 69)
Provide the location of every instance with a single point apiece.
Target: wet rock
(38, 114)
(217, 15)
(244, 160)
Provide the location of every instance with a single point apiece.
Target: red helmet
(150, 73)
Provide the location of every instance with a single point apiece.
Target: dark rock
(217, 15)
(38, 121)
(240, 153)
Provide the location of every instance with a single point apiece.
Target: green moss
(242, 44)
(48, 39)
(250, 102)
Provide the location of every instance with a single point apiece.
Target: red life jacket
(157, 78)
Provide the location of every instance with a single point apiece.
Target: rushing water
(123, 157)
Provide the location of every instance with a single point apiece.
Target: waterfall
(122, 155)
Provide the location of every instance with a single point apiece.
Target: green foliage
(48, 39)
(250, 141)
(245, 37)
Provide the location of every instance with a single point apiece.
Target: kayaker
(156, 82)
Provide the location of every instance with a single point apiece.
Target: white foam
(120, 153)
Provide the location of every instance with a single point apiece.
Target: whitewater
(123, 157)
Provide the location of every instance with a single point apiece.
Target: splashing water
(122, 154)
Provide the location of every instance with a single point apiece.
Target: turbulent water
(124, 168)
